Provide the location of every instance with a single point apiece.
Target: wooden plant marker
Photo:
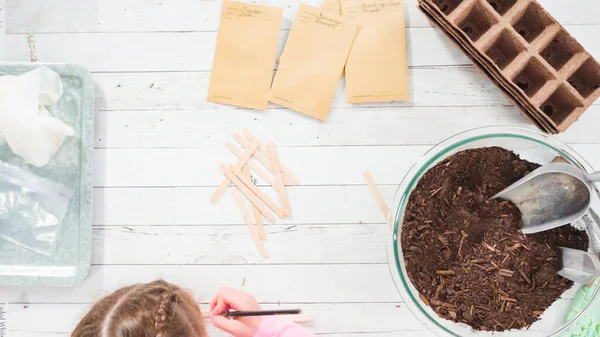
(289, 178)
(378, 197)
(248, 219)
(256, 191)
(253, 165)
(241, 162)
(300, 318)
(257, 216)
(247, 192)
(285, 201)
(286, 171)
(260, 157)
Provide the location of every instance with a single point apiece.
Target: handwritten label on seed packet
(245, 55)
(316, 51)
(353, 7)
(377, 67)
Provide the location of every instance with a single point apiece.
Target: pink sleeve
(272, 326)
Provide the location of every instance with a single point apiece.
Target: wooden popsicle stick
(220, 190)
(286, 171)
(247, 192)
(378, 197)
(272, 205)
(248, 219)
(253, 165)
(263, 158)
(257, 216)
(241, 161)
(260, 157)
(285, 201)
(300, 318)
(260, 224)
(247, 155)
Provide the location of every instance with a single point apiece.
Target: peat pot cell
(504, 50)
(532, 23)
(477, 21)
(502, 6)
(560, 105)
(447, 6)
(560, 50)
(586, 79)
(533, 77)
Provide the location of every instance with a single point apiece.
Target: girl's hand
(227, 299)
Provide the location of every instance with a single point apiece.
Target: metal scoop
(579, 266)
(554, 195)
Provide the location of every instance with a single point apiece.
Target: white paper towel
(25, 123)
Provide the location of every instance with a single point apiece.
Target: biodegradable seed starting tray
(530, 57)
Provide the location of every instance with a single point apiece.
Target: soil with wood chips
(466, 254)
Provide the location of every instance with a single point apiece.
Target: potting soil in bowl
(466, 254)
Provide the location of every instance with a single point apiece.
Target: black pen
(261, 313)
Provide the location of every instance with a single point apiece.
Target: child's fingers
(232, 326)
(238, 300)
(213, 303)
(219, 307)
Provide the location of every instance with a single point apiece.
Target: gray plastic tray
(71, 166)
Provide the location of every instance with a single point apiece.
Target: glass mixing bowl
(530, 145)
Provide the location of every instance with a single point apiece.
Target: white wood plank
(182, 51)
(328, 318)
(191, 15)
(430, 87)
(439, 86)
(200, 167)
(33, 16)
(345, 126)
(191, 206)
(319, 204)
(329, 165)
(363, 243)
(132, 206)
(193, 51)
(269, 283)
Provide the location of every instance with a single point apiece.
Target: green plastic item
(588, 325)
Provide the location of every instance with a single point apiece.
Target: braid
(165, 310)
(156, 309)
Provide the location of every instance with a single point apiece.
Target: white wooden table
(158, 144)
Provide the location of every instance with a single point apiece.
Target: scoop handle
(595, 225)
(594, 177)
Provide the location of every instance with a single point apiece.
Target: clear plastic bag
(31, 209)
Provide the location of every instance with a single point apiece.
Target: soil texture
(466, 254)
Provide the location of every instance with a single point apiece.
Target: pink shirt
(272, 326)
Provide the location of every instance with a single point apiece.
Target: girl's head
(156, 309)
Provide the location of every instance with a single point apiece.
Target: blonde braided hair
(156, 309)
